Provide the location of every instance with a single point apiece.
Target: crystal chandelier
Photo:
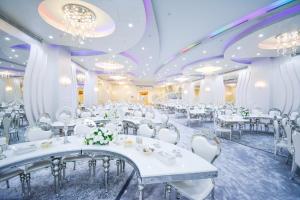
(287, 43)
(79, 20)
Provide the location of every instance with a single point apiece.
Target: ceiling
(13, 58)
(161, 40)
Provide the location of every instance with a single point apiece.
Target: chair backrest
(294, 115)
(138, 113)
(145, 130)
(149, 115)
(6, 122)
(276, 130)
(287, 126)
(45, 122)
(274, 112)
(204, 148)
(296, 143)
(36, 133)
(168, 133)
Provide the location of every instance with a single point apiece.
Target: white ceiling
(144, 48)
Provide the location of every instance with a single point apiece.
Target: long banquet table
(149, 168)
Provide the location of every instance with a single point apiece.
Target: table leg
(56, 168)
(140, 188)
(106, 171)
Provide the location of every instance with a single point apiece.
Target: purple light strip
(275, 18)
(11, 69)
(130, 56)
(21, 46)
(234, 24)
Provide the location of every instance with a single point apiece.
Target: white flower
(90, 142)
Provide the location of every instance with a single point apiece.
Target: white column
(212, 90)
(43, 91)
(90, 89)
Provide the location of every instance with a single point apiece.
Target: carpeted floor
(245, 173)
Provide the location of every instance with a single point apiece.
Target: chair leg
(178, 195)
(23, 179)
(213, 194)
(118, 167)
(74, 166)
(7, 184)
(64, 166)
(28, 184)
(294, 168)
(168, 189)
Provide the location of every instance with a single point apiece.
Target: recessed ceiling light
(143, 48)
(13, 50)
(239, 48)
(117, 77)
(10, 57)
(204, 52)
(130, 25)
(7, 38)
(208, 69)
(181, 79)
(183, 58)
(16, 55)
(258, 54)
(109, 49)
(150, 57)
(261, 35)
(50, 37)
(81, 42)
(233, 56)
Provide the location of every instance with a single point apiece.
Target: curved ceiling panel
(129, 26)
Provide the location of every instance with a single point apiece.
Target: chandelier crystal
(287, 43)
(79, 20)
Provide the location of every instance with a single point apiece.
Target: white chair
(145, 130)
(36, 134)
(149, 115)
(202, 188)
(45, 122)
(138, 113)
(294, 115)
(279, 142)
(168, 133)
(296, 156)
(85, 114)
(219, 129)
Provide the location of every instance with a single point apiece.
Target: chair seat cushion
(194, 189)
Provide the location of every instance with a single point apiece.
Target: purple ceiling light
(258, 13)
(269, 20)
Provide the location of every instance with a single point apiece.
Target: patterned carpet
(245, 173)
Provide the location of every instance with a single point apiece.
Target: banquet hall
(150, 99)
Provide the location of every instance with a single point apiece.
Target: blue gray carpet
(245, 173)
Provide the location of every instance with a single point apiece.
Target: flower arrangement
(244, 112)
(100, 136)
